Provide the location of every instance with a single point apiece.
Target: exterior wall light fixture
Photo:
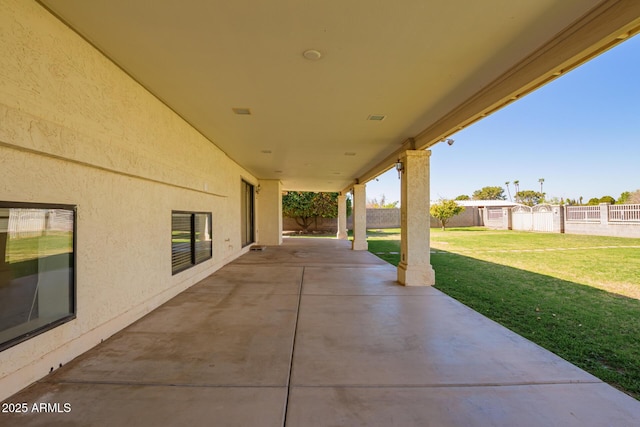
(399, 168)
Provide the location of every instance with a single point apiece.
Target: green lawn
(31, 248)
(574, 295)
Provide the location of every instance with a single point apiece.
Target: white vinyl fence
(624, 213)
(604, 220)
(522, 218)
(543, 218)
(24, 222)
(583, 213)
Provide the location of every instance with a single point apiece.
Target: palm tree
(508, 191)
(541, 181)
(516, 184)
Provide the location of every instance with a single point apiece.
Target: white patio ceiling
(428, 66)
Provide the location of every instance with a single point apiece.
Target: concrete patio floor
(314, 334)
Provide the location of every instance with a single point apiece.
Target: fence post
(506, 219)
(604, 213)
(558, 218)
(562, 213)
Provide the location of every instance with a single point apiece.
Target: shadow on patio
(314, 334)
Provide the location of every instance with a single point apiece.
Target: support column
(269, 201)
(415, 263)
(359, 218)
(342, 217)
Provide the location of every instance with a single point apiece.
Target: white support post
(342, 217)
(269, 211)
(415, 263)
(359, 218)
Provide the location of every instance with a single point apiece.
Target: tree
(556, 201)
(607, 199)
(463, 197)
(516, 184)
(604, 199)
(305, 206)
(489, 193)
(541, 181)
(508, 190)
(444, 210)
(382, 204)
(629, 197)
(529, 197)
(624, 198)
(593, 201)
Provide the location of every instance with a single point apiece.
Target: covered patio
(166, 133)
(311, 333)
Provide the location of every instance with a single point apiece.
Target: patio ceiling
(429, 67)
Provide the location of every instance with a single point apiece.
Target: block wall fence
(602, 220)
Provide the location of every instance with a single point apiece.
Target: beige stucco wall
(269, 210)
(75, 129)
(611, 229)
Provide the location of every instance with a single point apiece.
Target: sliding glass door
(247, 212)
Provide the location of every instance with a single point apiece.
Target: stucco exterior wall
(329, 225)
(75, 129)
(471, 217)
(611, 229)
(387, 218)
(383, 218)
(269, 212)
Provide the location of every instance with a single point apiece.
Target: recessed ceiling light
(349, 153)
(377, 117)
(242, 111)
(312, 54)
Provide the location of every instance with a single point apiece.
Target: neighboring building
(490, 213)
(483, 204)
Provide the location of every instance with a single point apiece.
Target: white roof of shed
(484, 203)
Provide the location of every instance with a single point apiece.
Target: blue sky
(581, 133)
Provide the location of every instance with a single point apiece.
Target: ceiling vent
(242, 111)
(377, 117)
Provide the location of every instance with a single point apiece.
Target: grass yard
(575, 295)
(31, 248)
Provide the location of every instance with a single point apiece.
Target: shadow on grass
(596, 330)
